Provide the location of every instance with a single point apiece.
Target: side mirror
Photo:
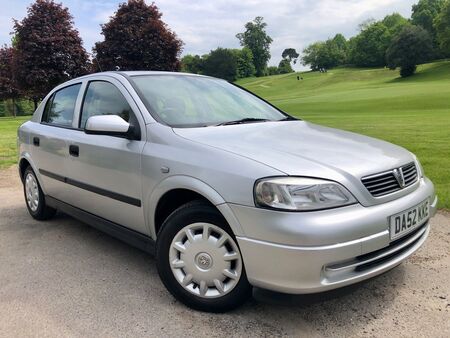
(108, 125)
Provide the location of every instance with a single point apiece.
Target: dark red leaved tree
(48, 49)
(137, 39)
(8, 86)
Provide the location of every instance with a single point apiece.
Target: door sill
(131, 237)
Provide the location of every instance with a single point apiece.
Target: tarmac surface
(62, 278)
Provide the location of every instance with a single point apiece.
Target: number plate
(406, 221)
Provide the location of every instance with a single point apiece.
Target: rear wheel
(34, 197)
(199, 260)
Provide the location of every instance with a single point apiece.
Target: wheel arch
(178, 190)
(25, 161)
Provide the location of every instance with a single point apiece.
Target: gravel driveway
(62, 278)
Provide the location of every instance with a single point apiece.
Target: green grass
(8, 139)
(412, 112)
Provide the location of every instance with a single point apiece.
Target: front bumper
(317, 251)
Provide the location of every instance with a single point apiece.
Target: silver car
(226, 190)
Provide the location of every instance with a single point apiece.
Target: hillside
(412, 112)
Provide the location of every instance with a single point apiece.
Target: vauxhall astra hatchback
(228, 191)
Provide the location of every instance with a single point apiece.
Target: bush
(272, 70)
(285, 67)
(221, 63)
(407, 70)
(412, 46)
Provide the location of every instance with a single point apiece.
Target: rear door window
(60, 107)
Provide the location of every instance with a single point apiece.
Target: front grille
(391, 181)
(409, 173)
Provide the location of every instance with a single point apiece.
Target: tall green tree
(337, 50)
(412, 46)
(290, 54)
(424, 13)
(137, 39)
(192, 64)
(316, 56)
(48, 49)
(369, 47)
(258, 41)
(394, 23)
(8, 85)
(326, 54)
(244, 66)
(221, 63)
(442, 26)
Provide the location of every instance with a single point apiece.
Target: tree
(315, 55)
(48, 49)
(284, 67)
(337, 50)
(192, 64)
(412, 46)
(230, 64)
(137, 39)
(326, 55)
(245, 66)
(442, 26)
(424, 13)
(366, 23)
(272, 70)
(395, 23)
(256, 39)
(221, 63)
(290, 54)
(369, 47)
(8, 86)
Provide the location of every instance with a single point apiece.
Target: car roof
(140, 73)
(120, 75)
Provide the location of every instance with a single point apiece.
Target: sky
(204, 25)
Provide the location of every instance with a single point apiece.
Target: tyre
(199, 261)
(34, 197)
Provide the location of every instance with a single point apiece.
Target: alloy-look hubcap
(205, 260)
(32, 192)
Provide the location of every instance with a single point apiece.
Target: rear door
(105, 171)
(49, 146)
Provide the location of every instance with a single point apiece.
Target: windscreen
(194, 101)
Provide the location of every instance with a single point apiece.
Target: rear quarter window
(60, 107)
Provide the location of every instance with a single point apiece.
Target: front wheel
(199, 260)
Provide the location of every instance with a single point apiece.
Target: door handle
(36, 141)
(74, 150)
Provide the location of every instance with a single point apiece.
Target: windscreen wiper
(288, 118)
(244, 120)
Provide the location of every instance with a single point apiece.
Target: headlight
(297, 193)
(420, 168)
